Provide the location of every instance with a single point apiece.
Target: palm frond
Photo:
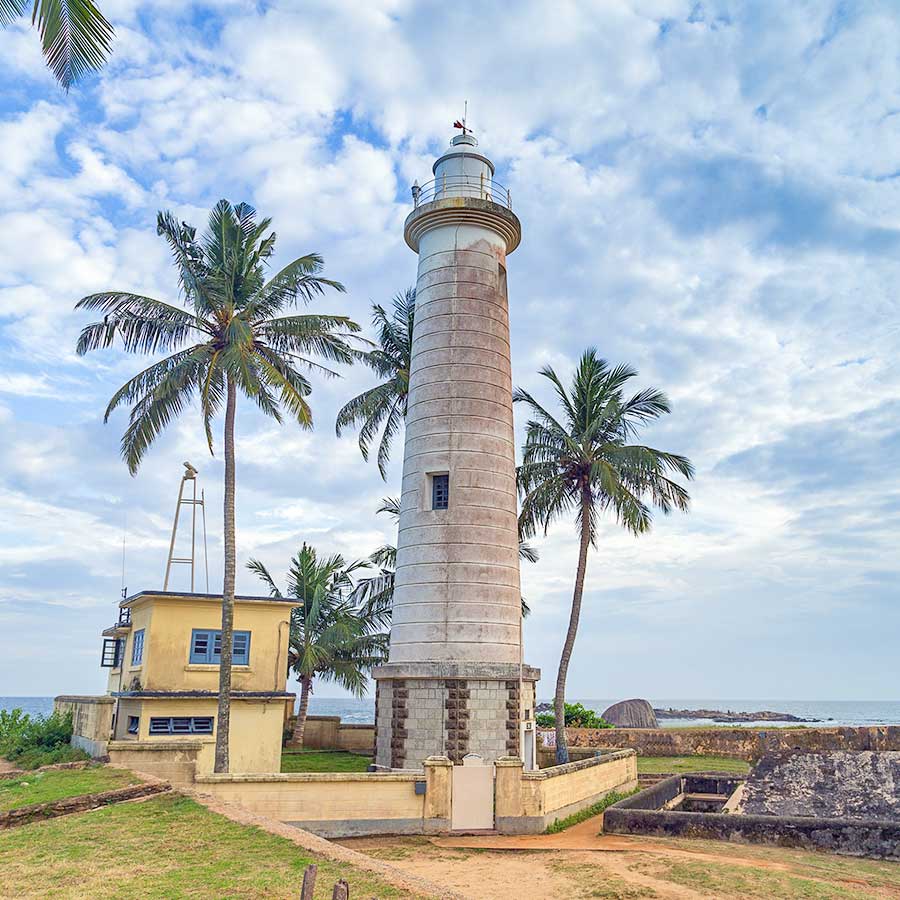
(300, 281)
(323, 335)
(258, 568)
(76, 38)
(157, 408)
(147, 381)
(10, 10)
(293, 387)
(391, 360)
(143, 324)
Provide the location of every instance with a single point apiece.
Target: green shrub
(34, 741)
(577, 716)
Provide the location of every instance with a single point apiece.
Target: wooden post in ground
(341, 891)
(309, 883)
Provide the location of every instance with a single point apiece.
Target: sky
(709, 191)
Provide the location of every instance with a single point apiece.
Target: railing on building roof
(461, 186)
(125, 615)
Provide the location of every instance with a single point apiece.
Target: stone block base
(440, 713)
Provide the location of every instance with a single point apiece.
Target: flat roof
(243, 598)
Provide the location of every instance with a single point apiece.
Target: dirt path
(6, 766)
(522, 875)
(582, 863)
(586, 836)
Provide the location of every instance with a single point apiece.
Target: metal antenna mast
(190, 475)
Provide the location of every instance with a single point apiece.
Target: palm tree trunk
(559, 698)
(300, 721)
(224, 714)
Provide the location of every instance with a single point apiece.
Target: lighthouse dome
(462, 171)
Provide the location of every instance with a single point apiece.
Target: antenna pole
(124, 536)
(190, 474)
(205, 548)
(174, 531)
(193, 532)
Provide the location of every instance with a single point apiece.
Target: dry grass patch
(847, 873)
(590, 880)
(167, 847)
(716, 879)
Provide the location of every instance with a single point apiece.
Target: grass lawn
(165, 847)
(43, 787)
(315, 761)
(656, 765)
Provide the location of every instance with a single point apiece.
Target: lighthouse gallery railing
(462, 186)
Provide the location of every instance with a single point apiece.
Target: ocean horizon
(828, 712)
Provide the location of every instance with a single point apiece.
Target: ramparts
(738, 743)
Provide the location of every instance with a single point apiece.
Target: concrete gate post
(508, 789)
(438, 794)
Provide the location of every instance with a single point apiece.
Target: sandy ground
(581, 863)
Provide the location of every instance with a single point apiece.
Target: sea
(828, 712)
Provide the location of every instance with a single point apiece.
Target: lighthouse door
(472, 804)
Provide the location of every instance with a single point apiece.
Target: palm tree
(586, 465)
(75, 35)
(234, 342)
(390, 360)
(376, 594)
(330, 638)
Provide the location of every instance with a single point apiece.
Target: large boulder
(631, 714)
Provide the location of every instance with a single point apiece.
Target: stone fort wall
(739, 743)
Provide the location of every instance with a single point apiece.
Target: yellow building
(163, 661)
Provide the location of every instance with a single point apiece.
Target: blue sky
(708, 191)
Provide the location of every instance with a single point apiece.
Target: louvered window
(206, 647)
(181, 725)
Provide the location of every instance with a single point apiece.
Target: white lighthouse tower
(455, 682)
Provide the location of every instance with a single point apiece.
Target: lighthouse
(455, 682)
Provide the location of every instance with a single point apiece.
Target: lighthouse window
(440, 491)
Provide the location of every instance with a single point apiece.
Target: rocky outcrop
(631, 714)
(717, 715)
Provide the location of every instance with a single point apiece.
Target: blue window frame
(181, 725)
(111, 657)
(206, 647)
(440, 491)
(137, 648)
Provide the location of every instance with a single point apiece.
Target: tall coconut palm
(384, 406)
(330, 638)
(75, 36)
(229, 339)
(583, 463)
(376, 594)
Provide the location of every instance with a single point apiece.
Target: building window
(137, 648)
(133, 723)
(111, 657)
(181, 725)
(440, 491)
(206, 647)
